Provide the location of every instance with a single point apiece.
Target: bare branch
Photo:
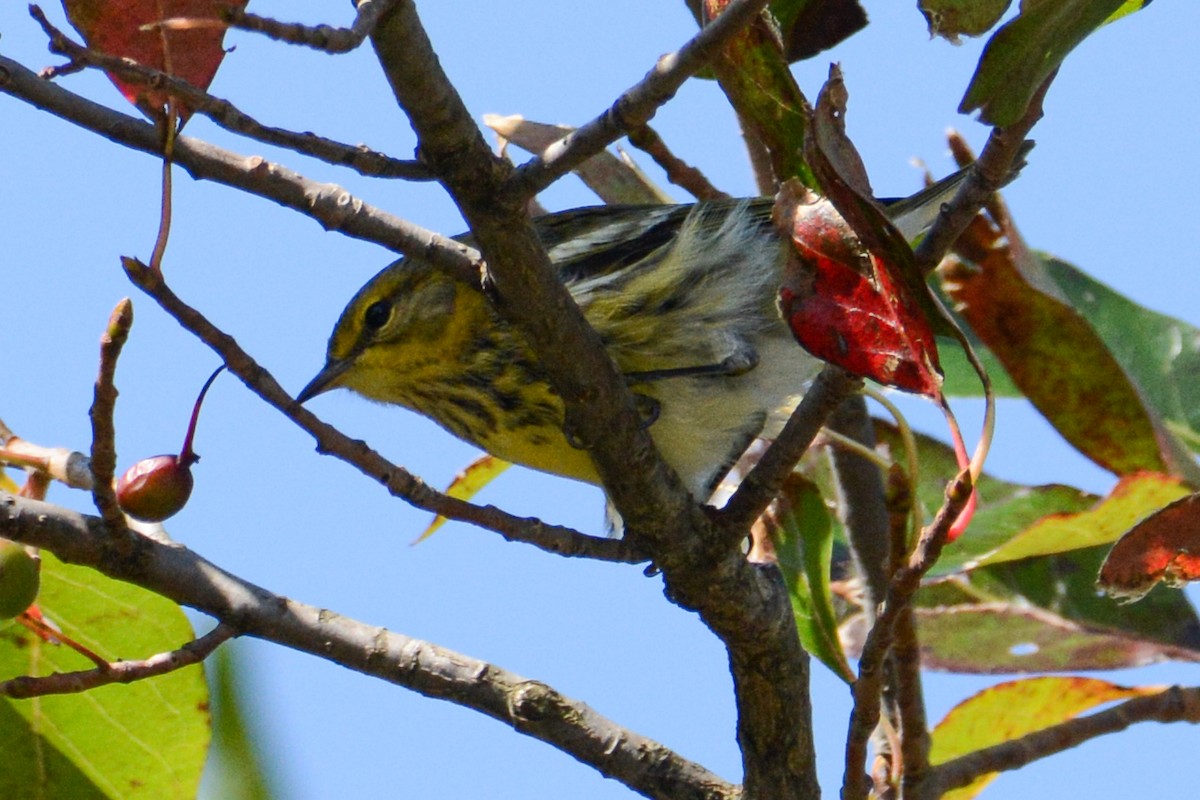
(868, 689)
(905, 675)
(761, 485)
(745, 605)
(638, 104)
(1174, 704)
(397, 480)
(65, 466)
(525, 289)
(528, 706)
(193, 652)
(319, 37)
(990, 171)
(104, 450)
(679, 172)
(877, 551)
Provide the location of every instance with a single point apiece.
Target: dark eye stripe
(377, 314)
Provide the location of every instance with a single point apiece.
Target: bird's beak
(326, 379)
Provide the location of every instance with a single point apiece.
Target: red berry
(155, 488)
(158, 487)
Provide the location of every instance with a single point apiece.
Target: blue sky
(1109, 188)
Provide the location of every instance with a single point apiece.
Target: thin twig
(325, 38)
(104, 452)
(763, 482)
(679, 172)
(193, 652)
(66, 466)
(397, 480)
(869, 686)
(33, 620)
(905, 674)
(638, 104)
(990, 171)
(862, 506)
(359, 158)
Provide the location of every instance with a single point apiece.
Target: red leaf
(1163, 547)
(857, 317)
(128, 29)
(852, 295)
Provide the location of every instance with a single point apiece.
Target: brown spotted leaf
(1053, 354)
(1163, 547)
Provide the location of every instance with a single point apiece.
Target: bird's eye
(377, 314)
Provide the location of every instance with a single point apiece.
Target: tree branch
(678, 171)
(319, 37)
(329, 204)
(104, 450)
(1174, 704)
(863, 510)
(868, 688)
(193, 652)
(990, 171)
(397, 480)
(762, 484)
(530, 707)
(638, 104)
(600, 413)
(746, 606)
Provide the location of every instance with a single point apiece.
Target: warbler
(683, 298)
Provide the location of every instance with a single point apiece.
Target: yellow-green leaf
(468, 483)
(1133, 498)
(145, 739)
(1010, 710)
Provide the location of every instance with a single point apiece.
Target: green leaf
(755, 76)
(239, 768)
(1011, 710)
(1026, 50)
(145, 739)
(1004, 509)
(1065, 585)
(953, 18)
(1160, 353)
(802, 531)
(1132, 499)
(1045, 615)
